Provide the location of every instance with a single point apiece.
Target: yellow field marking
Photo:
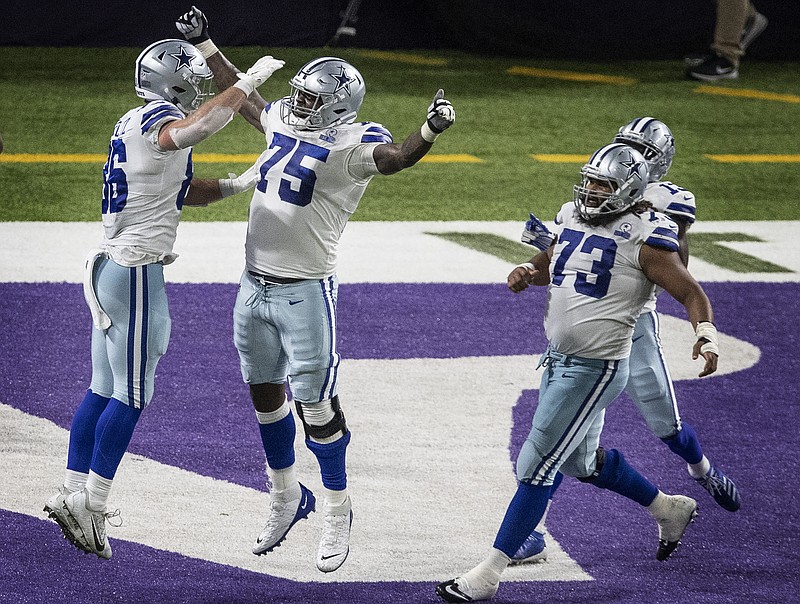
(571, 75)
(456, 158)
(95, 158)
(51, 158)
(560, 158)
(748, 94)
(403, 57)
(755, 159)
(201, 158)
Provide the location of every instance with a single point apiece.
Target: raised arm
(392, 157)
(666, 270)
(193, 25)
(212, 116)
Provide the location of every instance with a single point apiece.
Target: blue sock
(619, 476)
(331, 458)
(81, 433)
(523, 514)
(114, 432)
(556, 483)
(685, 445)
(278, 441)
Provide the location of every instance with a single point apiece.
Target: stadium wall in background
(570, 29)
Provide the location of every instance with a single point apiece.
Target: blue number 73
(601, 268)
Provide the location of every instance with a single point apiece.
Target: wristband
(528, 265)
(427, 133)
(245, 84)
(226, 187)
(207, 48)
(706, 330)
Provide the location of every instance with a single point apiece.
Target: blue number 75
(306, 177)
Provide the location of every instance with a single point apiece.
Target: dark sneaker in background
(713, 68)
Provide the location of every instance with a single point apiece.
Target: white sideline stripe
(433, 531)
(370, 252)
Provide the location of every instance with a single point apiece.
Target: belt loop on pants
(272, 280)
(550, 356)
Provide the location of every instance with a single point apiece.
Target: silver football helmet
(652, 139)
(325, 92)
(621, 169)
(176, 71)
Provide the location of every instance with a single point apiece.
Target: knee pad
(320, 431)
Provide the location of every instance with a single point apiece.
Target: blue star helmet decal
(183, 59)
(342, 80)
(633, 166)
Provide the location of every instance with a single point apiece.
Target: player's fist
(441, 113)
(193, 26)
(258, 74)
(537, 234)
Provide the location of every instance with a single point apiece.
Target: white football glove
(258, 74)
(238, 184)
(193, 26)
(441, 113)
(537, 234)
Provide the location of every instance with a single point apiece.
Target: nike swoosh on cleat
(97, 541)
(329, 557)
(451, 590)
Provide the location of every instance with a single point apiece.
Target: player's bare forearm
(534, 272)
(392, 157)
(698, 306)
(225, 76)
(202, 192)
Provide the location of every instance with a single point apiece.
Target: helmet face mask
(175, 71)
(613, 180)
(654, 140)
(325, 92)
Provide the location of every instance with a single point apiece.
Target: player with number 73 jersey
(601, 263)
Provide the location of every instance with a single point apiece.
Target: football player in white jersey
(650, 385)
(612, 250)
(148, 178)
(318, 163)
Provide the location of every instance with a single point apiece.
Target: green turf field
(66, 101)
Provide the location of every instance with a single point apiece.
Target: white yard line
(370, 252)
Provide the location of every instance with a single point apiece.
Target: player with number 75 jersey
(311, 177)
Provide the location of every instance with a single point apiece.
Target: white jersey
(310, 183)
(597, 286)
(677, 203)
(144, 187)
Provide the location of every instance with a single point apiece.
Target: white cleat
(283, 515)
(88, 526)
(335, 542)
(673, 513)
(57, 511)
(459, 590)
